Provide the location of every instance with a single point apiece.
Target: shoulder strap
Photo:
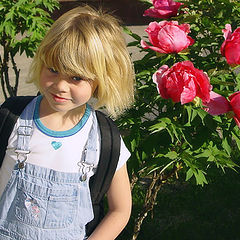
(109, 156)
(9, 112)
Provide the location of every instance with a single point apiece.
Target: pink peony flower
(230, 48)
(219, 105)
(235, 104)
(168, 37)
(163, 9)
(182, 82)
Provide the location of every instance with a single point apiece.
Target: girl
(54, 147)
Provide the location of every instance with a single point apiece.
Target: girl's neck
(57, 120)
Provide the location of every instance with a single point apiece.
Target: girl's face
(64, 93)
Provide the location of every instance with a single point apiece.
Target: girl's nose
(61, 83)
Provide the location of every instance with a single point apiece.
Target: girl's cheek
(47, 81)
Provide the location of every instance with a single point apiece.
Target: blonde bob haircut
(90, 44)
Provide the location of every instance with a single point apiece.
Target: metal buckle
(21, 157)
(86, 168)
(25, 130)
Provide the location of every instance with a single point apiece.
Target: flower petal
(188, 93)
(227, 31)
(235, 104)
(217, 104)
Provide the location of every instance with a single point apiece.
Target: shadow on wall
(129, 11)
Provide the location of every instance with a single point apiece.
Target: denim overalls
(43, 204)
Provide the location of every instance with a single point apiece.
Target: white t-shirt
(57, 153)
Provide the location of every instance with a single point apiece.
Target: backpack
(100, 182)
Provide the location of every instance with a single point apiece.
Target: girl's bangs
(69, 58)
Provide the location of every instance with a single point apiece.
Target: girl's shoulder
(16, 104)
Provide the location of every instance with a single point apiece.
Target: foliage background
(171, 143)
(23, 23)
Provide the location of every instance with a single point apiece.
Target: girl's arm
(119, 203)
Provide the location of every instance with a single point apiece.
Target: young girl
(55, 144)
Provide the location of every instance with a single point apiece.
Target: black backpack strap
(10, 110)
(109, 156)
(6, 127)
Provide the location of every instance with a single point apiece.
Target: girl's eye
(75, 78)
(52, 70)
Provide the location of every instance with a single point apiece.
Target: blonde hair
(90, 44)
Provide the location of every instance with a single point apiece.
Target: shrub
(170, 130)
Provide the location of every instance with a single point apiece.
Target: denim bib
(43, 204)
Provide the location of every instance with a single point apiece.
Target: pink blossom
(219, 105)
(182, 82)
(230, 48)
(168, 37)
(163, 9)
(235, 104)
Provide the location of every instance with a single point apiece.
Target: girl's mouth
(59, 99)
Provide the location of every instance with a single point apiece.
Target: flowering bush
(185, 121)
(168, 37)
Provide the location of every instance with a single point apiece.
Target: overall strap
(24, 132)
(9, 112)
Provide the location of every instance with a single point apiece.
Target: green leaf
(200, 177)
(166, 120)
(192, 113)
(130, 33)
(172, 155)
(174, 132)
(202, 114)
(158, 127)
(133, 44)
(142, 73)
(133, 145)
(189, 174)
(237, 139)
(206, 153)
(226, 146)
(211, 158)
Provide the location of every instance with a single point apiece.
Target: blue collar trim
(59, 134)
